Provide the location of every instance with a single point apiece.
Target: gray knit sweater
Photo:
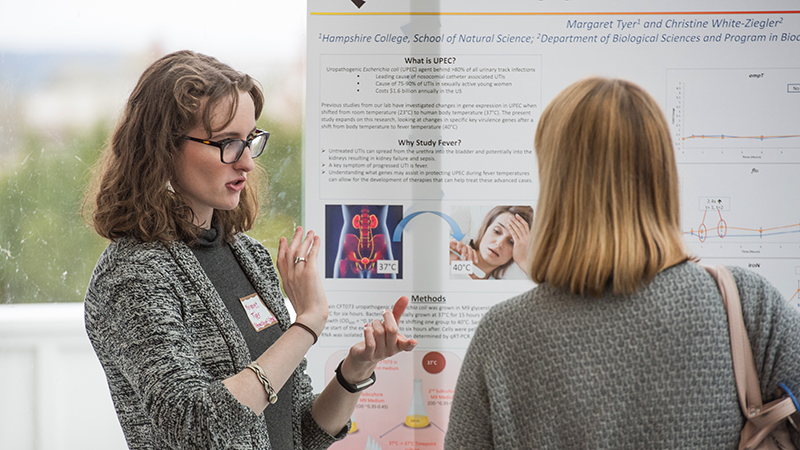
(166, 342)
(549, 370)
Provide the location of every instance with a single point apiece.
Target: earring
(169, 186)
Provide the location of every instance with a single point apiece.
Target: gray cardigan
(550, 370)
(166, 342)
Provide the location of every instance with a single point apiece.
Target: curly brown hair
(130, 195)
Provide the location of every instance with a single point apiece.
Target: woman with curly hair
(184, 310)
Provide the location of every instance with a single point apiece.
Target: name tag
(260, 316)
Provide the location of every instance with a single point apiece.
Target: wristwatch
(353, 388)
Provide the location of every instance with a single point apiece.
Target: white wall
(53, 392)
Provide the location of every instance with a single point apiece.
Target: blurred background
(66, 70)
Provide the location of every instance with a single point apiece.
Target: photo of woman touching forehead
(496, 244)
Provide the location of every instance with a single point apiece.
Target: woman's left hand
(335, 405)
(521, 233)
(297, 265)
(382, 339)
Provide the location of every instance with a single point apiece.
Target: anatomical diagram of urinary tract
(363, 241)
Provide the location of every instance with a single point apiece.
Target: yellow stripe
(589, 13)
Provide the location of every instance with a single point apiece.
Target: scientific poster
(420, 119)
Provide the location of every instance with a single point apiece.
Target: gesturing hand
(297, 265)
(382, 339)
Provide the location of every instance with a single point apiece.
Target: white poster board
(420, 118)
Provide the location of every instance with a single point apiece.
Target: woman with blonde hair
(184, 310)
(624, 343)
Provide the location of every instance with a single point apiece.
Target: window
(61, 89)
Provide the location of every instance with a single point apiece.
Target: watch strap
(353, 388)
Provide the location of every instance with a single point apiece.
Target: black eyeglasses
(230, 150)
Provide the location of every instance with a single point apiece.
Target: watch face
(365, 384)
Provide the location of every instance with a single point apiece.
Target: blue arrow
(456, 231)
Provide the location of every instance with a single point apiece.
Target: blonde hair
(608, 213)
(130, 194)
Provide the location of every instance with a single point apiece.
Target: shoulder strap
(744, 367)
(761, 419)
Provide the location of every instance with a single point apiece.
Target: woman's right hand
(301, 281)
(463, 252)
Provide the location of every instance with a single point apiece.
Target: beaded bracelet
(262, 377)
(307, 328)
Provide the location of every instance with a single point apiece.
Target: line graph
(745, 214)
(794, 298)
(722, 136)
(784, 274)
(737, 144)
(734, 115)
(723, 230)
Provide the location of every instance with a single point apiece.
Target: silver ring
(297, 259)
